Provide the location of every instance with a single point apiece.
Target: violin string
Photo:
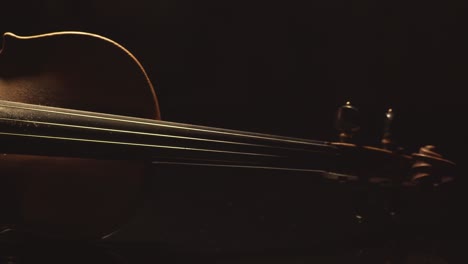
(129, 132)
(153, 134)
(327, 174)
(165, 124)
(183, 148)
(138, 144)
(188, 149)
(237, 166)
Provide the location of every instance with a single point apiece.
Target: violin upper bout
(75, 70)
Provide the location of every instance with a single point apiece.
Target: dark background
(284, 67)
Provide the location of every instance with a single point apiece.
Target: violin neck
(41, 130)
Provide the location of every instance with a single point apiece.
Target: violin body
(258, 192)
(62, 197)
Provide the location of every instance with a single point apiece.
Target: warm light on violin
(78, 143)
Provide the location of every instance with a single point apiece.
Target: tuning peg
(387, 138)
(347, 121)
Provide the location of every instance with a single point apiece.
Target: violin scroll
(430, 168)
(388, 162)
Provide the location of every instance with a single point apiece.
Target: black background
(284, 67)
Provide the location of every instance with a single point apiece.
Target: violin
(81, 130)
